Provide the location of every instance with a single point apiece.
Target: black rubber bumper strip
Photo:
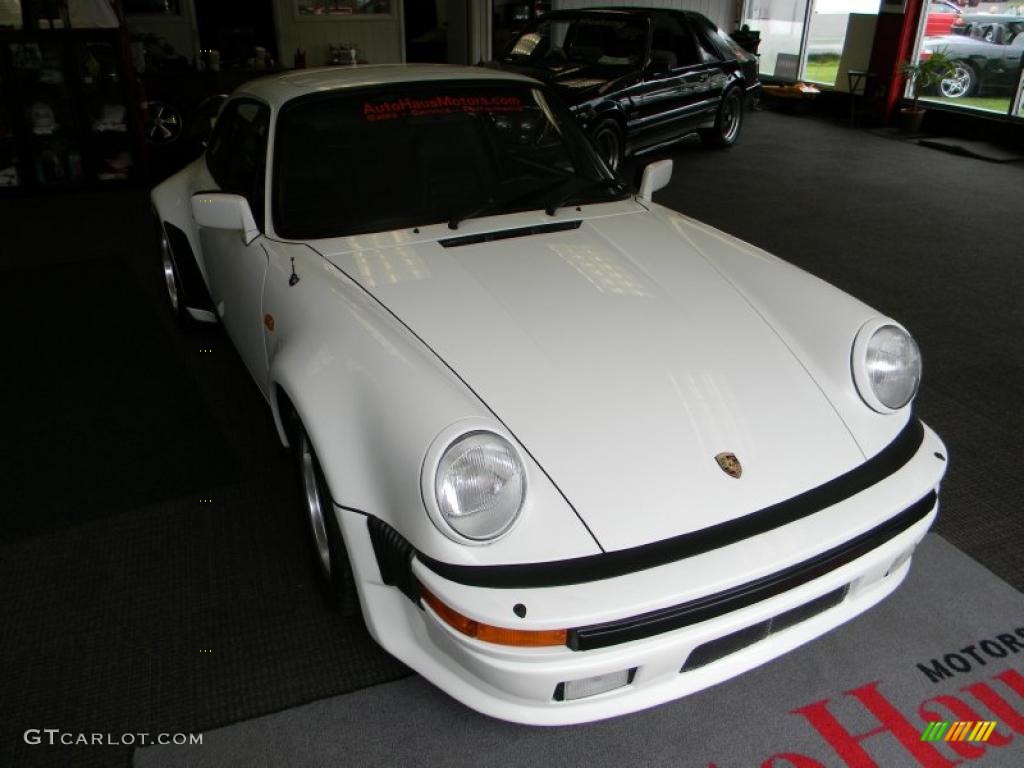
(744, 595)
(620, 562)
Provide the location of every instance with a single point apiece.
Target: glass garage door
(803, 39)
(781, 24)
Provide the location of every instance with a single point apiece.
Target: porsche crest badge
(729, 464)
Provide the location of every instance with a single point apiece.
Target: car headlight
(886, 366)
(480, 486)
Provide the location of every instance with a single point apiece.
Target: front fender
(373, 398)
(172, 201)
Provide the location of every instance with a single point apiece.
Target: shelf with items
(106, 105)
(71, 113)
(43, 106)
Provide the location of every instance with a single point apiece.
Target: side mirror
(656, 176)
(219, 210)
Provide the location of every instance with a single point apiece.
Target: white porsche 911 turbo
(571, 453)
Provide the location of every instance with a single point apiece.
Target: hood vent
(505, 234)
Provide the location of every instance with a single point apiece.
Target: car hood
(622, 361)
(575, 82)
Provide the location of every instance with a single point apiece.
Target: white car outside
(573, 453)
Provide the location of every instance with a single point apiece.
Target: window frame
(228, 112)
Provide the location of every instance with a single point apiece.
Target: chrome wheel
(732, 116)
(958, 84)
(316, 505)
(170, 276)
(163, 123)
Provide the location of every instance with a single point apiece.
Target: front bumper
(774, 591)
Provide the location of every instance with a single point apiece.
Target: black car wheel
(728, 121)
(607, 137)
(330, 557)
(962, 82)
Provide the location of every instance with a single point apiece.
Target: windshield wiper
(552, 197)
(493, 204)
(613, 186)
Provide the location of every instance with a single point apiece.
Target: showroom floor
(153, 569)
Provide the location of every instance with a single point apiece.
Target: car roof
(982, 18)
(619, 10)
(280, 88)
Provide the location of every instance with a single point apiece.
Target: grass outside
(987, 103)
(821, 69)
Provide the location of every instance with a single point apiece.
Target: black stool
(860, 83)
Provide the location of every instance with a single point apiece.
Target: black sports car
(986, 61)
(639, 78)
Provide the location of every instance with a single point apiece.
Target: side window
(674, 38)
(237, 156)
(216, 152)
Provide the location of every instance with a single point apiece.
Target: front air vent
(506, 234)
(394, 557)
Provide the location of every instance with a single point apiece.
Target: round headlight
(480, 486)
(887, 367)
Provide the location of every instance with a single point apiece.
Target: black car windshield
(380, 159)
(594, 40)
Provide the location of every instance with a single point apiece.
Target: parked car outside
(981, 66)
(969, 21)
(638, 79)
(570, 453)
(942, 16)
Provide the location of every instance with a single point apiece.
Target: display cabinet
(68, 113)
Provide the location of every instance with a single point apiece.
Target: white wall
(722, 12)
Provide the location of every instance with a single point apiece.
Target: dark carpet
(982, 150)
(141, 432)
(948, 602)
(168, 613)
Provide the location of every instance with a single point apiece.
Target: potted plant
(930, 69)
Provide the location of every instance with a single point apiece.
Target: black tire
(962, 83)
(327, 547)
(728, 121)
(176, 299)
(609, 141)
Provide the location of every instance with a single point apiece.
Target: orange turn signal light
(527, 638)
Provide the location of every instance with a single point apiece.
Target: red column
(893, 44)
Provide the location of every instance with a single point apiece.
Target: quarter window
(705, 33)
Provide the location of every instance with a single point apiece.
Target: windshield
(609, 42)
(413, 154)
